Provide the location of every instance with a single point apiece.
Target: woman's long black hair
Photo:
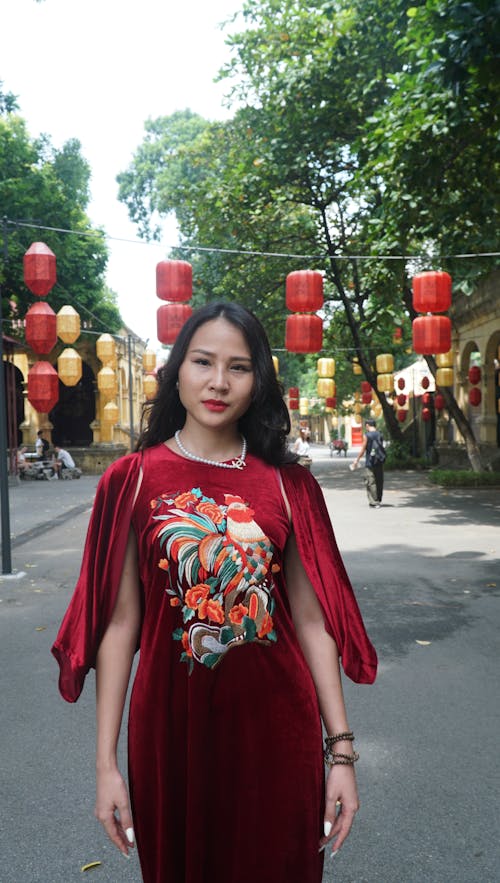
(266, 423)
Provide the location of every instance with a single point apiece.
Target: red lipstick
(215, 405)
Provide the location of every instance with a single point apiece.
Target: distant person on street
(22, 463)
(373, 448)
(301, 445)
(41, 445)
(63, 460)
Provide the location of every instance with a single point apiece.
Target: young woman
(212, 550)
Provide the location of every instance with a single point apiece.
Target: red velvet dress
(225, 744)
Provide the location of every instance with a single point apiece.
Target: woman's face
(216, 378)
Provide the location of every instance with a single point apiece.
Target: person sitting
(63, 460)
(23, 466)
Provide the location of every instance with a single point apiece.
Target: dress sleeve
(94, 597)
(325, 569)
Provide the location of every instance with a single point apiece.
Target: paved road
(426, 571)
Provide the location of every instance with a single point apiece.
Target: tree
(44, 187)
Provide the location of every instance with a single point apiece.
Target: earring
(177, 384)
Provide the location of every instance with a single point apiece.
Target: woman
(195, 550)
(302, 446)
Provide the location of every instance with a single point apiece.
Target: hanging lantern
(445, 360)
(293, 392)
(401, 383)
(475, 396)
(174, 281)
(68, 324)
(325, 387)
(431, 334)
(326, 367)
(384, 363)
(107, 383)
(303, 407)
(432, 292)
(293, 404)
(444, 377)
(425, 382)
(69, 367)
(303, 333)
(401, 415)
(356, 367)
(357, 419)
(474, 375)
(397, 335)
(365, 386)
(149, 361)
(39, 264)
(304, 292)
(401, 399)
(385, 382)
(170, 319)
(426, 415)
(41, 332)
(110, 414)
(438, 401)
(427, 399)
(331, 402)
(366, 398)
(276, 365)
(357, 408)
(43, 387)
(150, 386)
(106, 349)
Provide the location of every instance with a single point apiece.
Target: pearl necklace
(236, 463)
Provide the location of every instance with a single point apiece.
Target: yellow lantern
(68, 324)
(107, 383)
(357, 408)
(303, 407)
(110, 414)
(276, 364)
(384, 363)
(385, 382)
(149, 361)
(444, 377)
(106, 349)
(356, 367)
(444, 360)
(150, 386)
(69, 367)
(326, 367)
(357, 419)
(326, 387)
(376, 411)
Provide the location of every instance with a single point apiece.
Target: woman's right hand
(112, 808)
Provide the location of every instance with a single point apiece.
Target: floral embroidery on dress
(224, 573)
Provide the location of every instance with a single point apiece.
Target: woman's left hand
(342, 804)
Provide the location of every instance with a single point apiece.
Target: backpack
(45, 446)
(377, 450)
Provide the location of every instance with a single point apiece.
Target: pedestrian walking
(374, 451)
(212, 549)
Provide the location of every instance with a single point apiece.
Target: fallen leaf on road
(40, 628)
(491, 585)
(90, 865)
(423, 643)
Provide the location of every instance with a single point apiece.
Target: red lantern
(474, 375)
(170, 319)
(304, 292)
(401, 415)
(439, 401)
(426, 399)
(293, 392)
(432, 292)
(424, 383)
(475, 396)
(397, 335)
(39, 269)
(431, 334)
(366, 398)
(41, 327)
(426, 415)
(401, 383)
(293, 404)
(304, 333)
(43, 387)
(174, 281)
(331, 402)
(401, 399)
(365, 386)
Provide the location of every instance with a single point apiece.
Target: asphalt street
(425, 567)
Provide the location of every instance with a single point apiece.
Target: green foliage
(399, 456)
(464, 478)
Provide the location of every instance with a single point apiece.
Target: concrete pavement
(426, 572)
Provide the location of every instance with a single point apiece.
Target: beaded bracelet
(334, 759)
(330, 741)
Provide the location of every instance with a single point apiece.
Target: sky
(96, 70)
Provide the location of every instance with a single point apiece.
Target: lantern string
(262, 254)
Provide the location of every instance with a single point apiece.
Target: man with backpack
(41, 446)
(373, 448)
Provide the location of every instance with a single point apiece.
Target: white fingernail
(327, 827)
(125, 855)
(334, 853)
(130, 835)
